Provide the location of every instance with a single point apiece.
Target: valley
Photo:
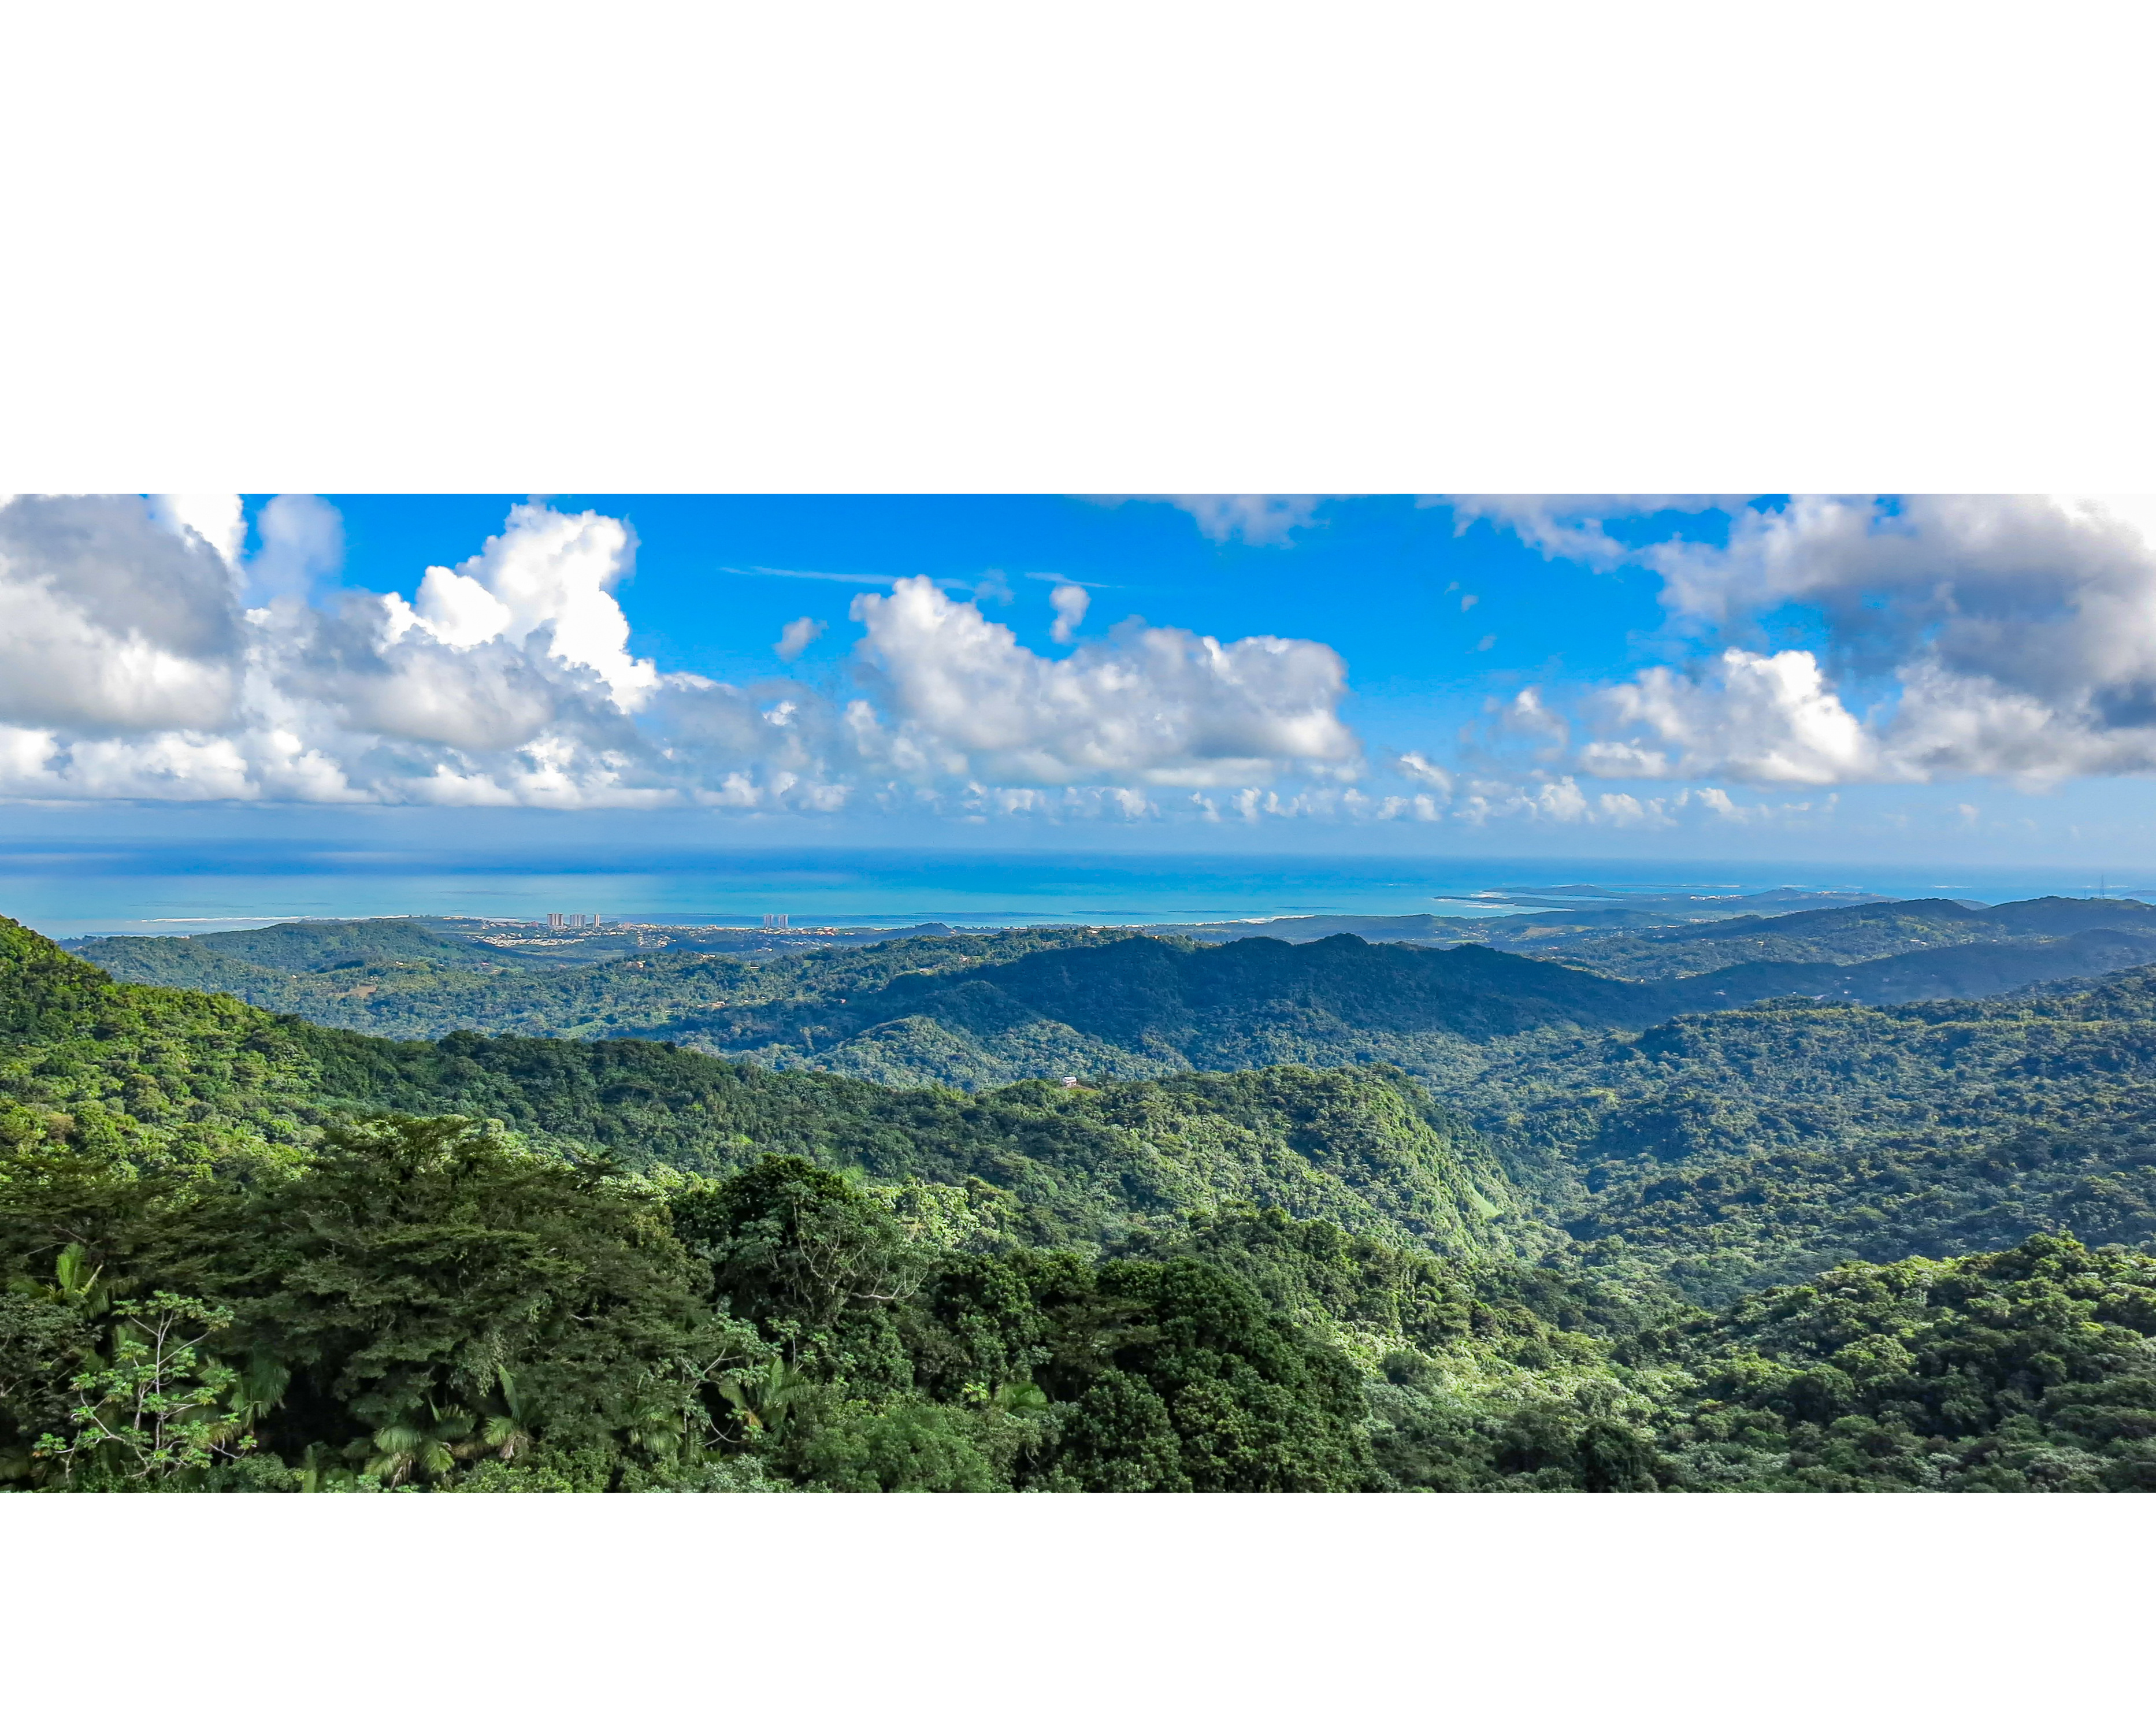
(1096, 1208)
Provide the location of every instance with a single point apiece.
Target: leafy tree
(437, 1292)
(160, 1411)
(813, 1263)
(907, 1446)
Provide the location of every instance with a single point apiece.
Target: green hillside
(418, 991)
(1150, 1005)
(1922, 1234)
(315, 946)
(179, 1081)
(1729, 1150)
(987, 1008)
(685, 1275)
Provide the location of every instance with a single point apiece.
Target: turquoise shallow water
(113, 889)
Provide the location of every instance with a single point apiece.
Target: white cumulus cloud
(218, 517)
(1417, 767)
(1754, 717)
(1158, 706)
(545, 582)
(796, 636)
(1070, 602)
(144, 656)
(302, 545)
(1955, 637)
(114, 624)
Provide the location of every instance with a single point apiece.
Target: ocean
(117, 889)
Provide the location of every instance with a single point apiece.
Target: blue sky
(1711, 677)
(1379, 579)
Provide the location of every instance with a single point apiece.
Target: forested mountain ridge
(413, 986)
(976, 1009)
(1723, 1150)
(312, 945)
(1845, 935)
(680, 1273)
(178, 1081)
(1961, 971)
(1152, 1005)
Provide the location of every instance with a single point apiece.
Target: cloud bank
(1950, 637)
(146, 654)
(172, 649)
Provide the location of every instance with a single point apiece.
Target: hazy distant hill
(1590, 911)
(1924, 975)
(223, 960)
(1843, 936)
(615, 942)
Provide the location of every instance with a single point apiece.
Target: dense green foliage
(244, 1252)
(980, 1009)
(1367, 1149)
(397, 979)
(1729, 1151)
(172, 1079)
(973, 1009)
(2034, 1368)
(316, 945)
